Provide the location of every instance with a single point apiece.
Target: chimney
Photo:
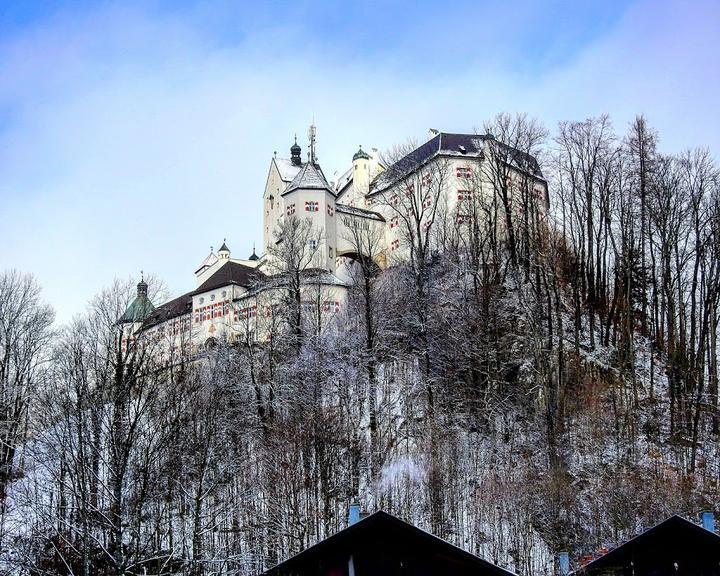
(564, 563)
(354, 514)
(708, 520)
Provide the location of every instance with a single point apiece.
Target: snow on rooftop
(287, 169)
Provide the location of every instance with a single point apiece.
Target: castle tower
(309, 196)
(361, 173)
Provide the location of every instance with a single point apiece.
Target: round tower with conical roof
(361, 173)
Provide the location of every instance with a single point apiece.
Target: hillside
(530, 380)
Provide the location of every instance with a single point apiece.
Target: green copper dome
(361, 155)
(140, 308)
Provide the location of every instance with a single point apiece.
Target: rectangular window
(464, 195)
(290, 209)
(330, 210)
(463, 172)
(427, 202)
(394, 222)
(330, 251)
(394, 245)
(311, 206)
(313, 244)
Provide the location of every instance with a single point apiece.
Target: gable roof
(286, 169)
(448, 144)
(310, 177)
(210, 259)
(381, 532)
(230, 273)
(664, 542)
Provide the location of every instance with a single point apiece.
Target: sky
(135, 135)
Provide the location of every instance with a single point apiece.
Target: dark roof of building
(469, 145)
(172, 309)
(673, 541)
(345, 209)
(230, 273)
(384, 539)
(310, 177)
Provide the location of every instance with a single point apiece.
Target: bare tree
(296, 249)
(25, 334)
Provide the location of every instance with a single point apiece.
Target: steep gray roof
(445, 144)
(310, 177)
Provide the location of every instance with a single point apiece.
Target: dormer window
(202, 300)
(212, 297)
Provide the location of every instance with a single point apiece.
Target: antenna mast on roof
(311, 137)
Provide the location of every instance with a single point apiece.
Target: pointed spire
(254, 256)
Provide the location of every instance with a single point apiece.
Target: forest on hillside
(541, 374)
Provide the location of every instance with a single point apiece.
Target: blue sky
(135, 135)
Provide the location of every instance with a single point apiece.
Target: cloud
(134, 138)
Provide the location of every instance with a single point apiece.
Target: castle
(313, 226)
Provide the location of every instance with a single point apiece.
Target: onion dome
(295, 151)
